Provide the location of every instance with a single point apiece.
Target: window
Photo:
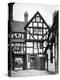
(44, 44)
(35, 36)
(40, 36)
(12, 44)
(12, 35)
(31, 37)
(39, 31)
(41, 20)
(43, 49)
(35, 31)
(18, 48)
(17, 44)
(35, 45)
(44, 31)
(44, 26)
(35, 51)
(41, 45)
(40, 50)
(37, 19)
(30, 24)
(29, 44)
(17, 35)
(35, 24)
(33, 20)
(31, 30)
(40, 24)
(22, 36)
(27, 36)
(30, 50)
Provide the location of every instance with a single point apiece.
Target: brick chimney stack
(26, 17)
(10, 8)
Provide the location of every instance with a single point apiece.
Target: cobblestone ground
(22, 73)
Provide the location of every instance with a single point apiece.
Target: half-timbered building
(32, 44)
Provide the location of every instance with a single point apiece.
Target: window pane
(44, 26)
(27, 36)
(12, 35)
(30, 50)
(35, 36)
(31, 30)
(33, 20)
(35, 50)
(30, 24)
(22, 36)
(35, 24)
(40, 50)
(40, 24)
(41, 20)
(37, 19)
(44, 31)
(29, 44)
(31, 37)
(41, 45)
(40, 36)
(38, 45)
(35, 45)
(44, 44)
(35, 31)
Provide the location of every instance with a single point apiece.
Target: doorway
(32, 62)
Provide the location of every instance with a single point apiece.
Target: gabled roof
(34, 17)
(18, 26)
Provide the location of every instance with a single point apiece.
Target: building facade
(32, 44)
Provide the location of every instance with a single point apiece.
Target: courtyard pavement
(32, 72)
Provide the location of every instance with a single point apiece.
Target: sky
(45, 10)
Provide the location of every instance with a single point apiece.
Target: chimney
(10, 8)
(26, 17)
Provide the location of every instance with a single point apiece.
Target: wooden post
(10, 19)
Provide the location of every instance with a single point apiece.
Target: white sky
(45, 10)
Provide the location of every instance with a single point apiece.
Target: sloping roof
(34, 17)
(17, 40)
(18, 26)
